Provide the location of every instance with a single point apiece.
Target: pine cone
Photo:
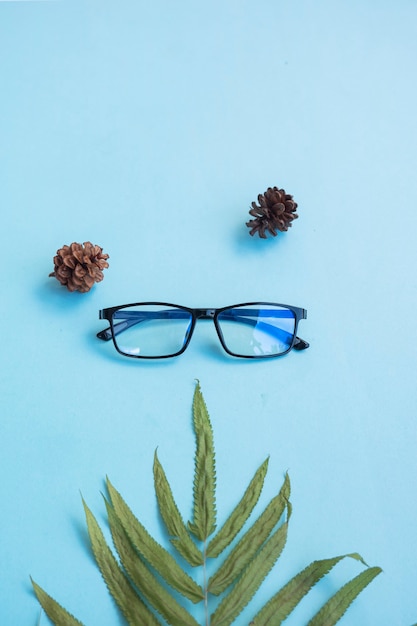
(276, 212)
(79, 266)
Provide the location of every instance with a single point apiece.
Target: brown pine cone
(276, 211)
(79, 266)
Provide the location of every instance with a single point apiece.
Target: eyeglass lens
(155, 330)
(257, 330)
(151, 330)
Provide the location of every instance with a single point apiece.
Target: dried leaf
(338, 604)
(240, 514)
(174, 523)
(245, 550)
(132, 607)
(283, 603)
(148, 575)
(204, 519)
(152, 551)
(155, 593)
(251, 579)
(56, 613)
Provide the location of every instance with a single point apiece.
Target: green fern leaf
(174, 523)
(204, 512)
(144, 580)
(132, 607)
(338, 604)
(283, 603)
(251, 579)
(152, 551)
(245, 550)
(56, 613)
(239, 515)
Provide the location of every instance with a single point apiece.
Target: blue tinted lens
(257, 330)
(151, 331)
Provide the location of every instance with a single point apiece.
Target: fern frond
(245, 550)
(148, 585)
(251, 579)
(204, 511)
(56, 613)
(180, 537)
(146, 580)
(159, 558)
(338, 604)
(283, 603)
(235, 522)
(133, 608)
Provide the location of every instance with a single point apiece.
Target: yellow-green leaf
(142, 577)
(251, 579)
(283, 603)
(56, 613)
(204, 511)
(235, 522)
(132, 607)
(245, 550)
(174, 523)
(336, 607)
(152, 551)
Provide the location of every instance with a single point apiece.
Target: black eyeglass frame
(203, 313)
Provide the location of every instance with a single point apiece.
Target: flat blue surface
(149, 128)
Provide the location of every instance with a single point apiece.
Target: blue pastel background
(149, 128)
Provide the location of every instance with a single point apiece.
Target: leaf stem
(205, 582)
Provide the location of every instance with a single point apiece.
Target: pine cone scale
(278, 208)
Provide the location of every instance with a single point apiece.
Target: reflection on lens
(151, 330)
(257, 330)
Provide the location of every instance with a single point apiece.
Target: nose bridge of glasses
(205, 314)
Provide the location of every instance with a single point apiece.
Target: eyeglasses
(157, 330)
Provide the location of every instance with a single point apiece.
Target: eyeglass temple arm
(134, 317)
(104, 334)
